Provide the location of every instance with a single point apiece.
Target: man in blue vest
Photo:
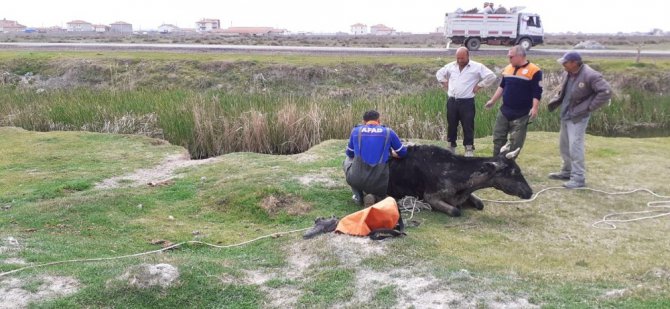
(370, 147)
(521, 91)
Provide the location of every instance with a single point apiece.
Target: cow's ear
(489, 167)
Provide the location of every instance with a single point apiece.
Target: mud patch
(160, 174)
(20, 293)
(273, 204)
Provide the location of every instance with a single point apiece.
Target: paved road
(303, 49)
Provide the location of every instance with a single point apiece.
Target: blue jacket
(373, 145)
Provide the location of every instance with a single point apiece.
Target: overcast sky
(418, 16)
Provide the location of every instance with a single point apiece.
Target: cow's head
(505, 175)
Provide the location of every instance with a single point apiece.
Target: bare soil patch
(160, 174)
(20, 293)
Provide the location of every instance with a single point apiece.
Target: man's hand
(445, 85)
(489, 104)
(476, 89)
(533, 113)
(394, 154)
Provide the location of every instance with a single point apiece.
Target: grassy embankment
(213, 104)
(543, 253)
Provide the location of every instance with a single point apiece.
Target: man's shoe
(559, 176)
(574, 184)
(452, 149)
(369, 200)
(321, 226)
(356, 199)
(469, 151)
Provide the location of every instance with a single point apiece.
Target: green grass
(219, 103)
(544, 252)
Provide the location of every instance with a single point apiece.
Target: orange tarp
(384, 214)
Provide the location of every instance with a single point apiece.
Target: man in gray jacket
(583, 90)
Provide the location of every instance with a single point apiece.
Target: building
(381, 30)
(121, 27)
(11, 26)
(358, 29)
(207, 24)
(79, 26)
(167, 28)
(101, 28)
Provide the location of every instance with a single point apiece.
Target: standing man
(521, 91)
(366, 169)
(462, 79)
(486, 9)
(583, 90)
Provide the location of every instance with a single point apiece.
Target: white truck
(474, 29)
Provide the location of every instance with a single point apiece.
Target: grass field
(544, 253)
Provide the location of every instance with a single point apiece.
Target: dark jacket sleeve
(556, 100)
(602, 89)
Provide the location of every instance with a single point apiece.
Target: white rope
(150, 252)
(412, 204)
(663, 206)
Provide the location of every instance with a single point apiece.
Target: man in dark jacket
(583, 90)
(370, 147)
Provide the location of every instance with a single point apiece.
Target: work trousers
(463, 111)
(516, 129)
(571, 145)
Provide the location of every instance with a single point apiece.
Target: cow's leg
(437, 202)
(474, 202)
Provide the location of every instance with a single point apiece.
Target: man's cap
(570, 56)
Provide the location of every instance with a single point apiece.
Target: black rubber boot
(321, 226)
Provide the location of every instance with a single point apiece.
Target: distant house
(381, 30)
(101, 28)
(11, 26)
(358, 29)
(121, 27)
(79, 26)
(251, 31)
(167, 28)
(207, 24)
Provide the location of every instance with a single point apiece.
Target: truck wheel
(526, 43)
(473, 44)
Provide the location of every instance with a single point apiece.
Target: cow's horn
(512, 155)
(504, 148)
